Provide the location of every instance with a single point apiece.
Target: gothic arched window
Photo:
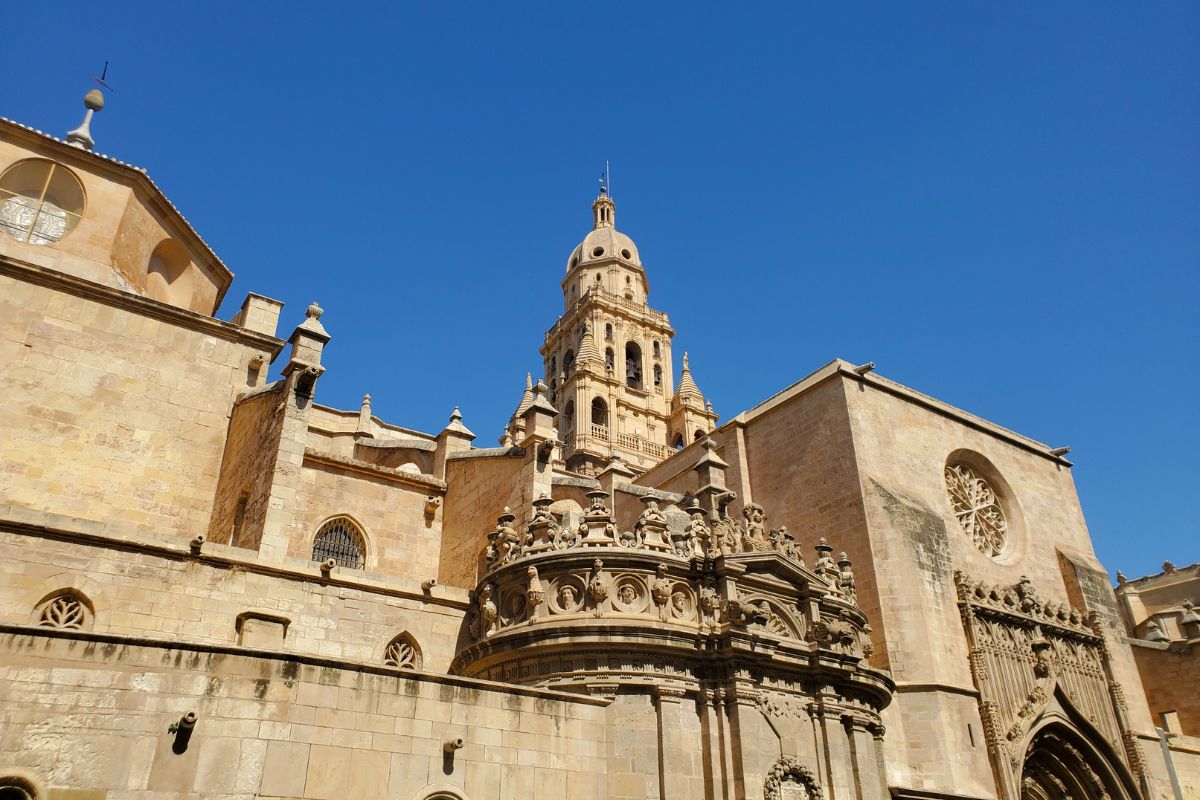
(599, 412)
(633, 365)
(342, 540)
(403, 652)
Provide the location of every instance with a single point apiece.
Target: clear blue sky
(999, 203)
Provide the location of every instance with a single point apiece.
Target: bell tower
(608, 359)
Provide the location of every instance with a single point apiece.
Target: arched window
(342, 540)
(237, 534)
(569, 412)
(553, 367)
(568, 362)
(599, 412)
(66, 609)
(657, 349)
(40, 201)
(633, 365)
(698, 436)
(678, 443)
(609, 359)
(403, 653)
(657, 376)
(608, 332)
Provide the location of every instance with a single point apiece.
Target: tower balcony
(599, 439)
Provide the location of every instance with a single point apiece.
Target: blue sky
(998, 203)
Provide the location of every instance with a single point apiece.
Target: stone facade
(215, 586)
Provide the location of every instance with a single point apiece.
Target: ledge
(487, 452)
(30, 273)
(225, 557)
(393, 474)
(299, 658)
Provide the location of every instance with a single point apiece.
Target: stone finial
(364, 417)
(82, 136)
(526, 396)
(455, 425)
(1121, 579)
(1168, 567)
(688, 391)
(308, 340)
(312, 317)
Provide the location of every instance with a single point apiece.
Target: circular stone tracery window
(978, 509)
(40, 201)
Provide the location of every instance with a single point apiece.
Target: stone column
(674, 754)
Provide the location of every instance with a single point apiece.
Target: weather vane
(102, 77)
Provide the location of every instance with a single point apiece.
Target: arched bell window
(633, 365)
(609, 359)
(599, 412)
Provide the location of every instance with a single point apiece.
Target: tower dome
(604, 242)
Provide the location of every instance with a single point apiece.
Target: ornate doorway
(1060, 767)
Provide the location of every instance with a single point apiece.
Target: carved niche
(1026, 651)
(788, 779)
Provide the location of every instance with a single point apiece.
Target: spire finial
(685, 359)
(82, 136)
(528, 380)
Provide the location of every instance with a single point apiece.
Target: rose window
(977, 508)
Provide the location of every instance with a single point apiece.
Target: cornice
(191, 320)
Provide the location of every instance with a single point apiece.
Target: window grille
(341, 540)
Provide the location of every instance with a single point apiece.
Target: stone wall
(1171, 677)
(477, 490)
(142, 588)
(113, 415)
(402, 539)
(92, 713)
(251, 447)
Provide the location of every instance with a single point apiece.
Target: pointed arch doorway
(1061, 765)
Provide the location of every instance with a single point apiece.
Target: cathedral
(215, 586)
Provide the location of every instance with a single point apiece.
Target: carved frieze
(1026, 651)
